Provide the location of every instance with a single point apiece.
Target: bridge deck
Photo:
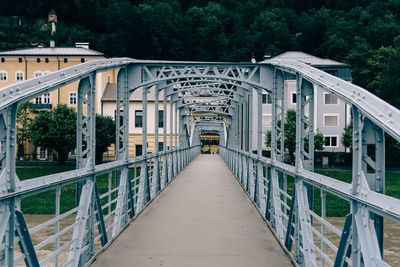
(203, 218)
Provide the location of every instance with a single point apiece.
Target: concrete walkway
(203, 218)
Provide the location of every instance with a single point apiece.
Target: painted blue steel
(25, 242)
(344, 249)
(234, 119)
(100, 218)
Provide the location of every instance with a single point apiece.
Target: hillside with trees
(362, 33)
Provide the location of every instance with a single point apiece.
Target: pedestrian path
(203, 218)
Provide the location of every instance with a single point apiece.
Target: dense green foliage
(105, 135)
(361, 32)
(55, 130)
(290, 136)
(24, 121)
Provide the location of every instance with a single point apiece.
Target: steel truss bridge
(205, 97)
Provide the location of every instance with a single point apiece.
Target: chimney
(52, 43)
(82, 44)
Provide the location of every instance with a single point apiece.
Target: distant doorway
(209, 143)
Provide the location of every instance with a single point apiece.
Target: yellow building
(23, 64)
(27, 63)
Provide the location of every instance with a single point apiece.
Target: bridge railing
(327, 240)
(51, 238)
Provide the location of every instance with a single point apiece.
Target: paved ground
(203, 218)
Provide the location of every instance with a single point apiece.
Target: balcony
(41, 106)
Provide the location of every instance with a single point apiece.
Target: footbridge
(174, 207)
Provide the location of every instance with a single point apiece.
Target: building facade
(331, 115)
(27, 63)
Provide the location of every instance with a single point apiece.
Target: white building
(331, 115)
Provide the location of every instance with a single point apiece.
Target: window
(3, 76)
(160, 146)
(38, 100)
(266, 99)
(42, 153)
(46, 98)
(331, 120)
(138, 118)
(160, 118)
(139, 150)
(19, 76)
(330, 141)
(38, 74)
(332, 72)
(72, 98)
(293, 99)
(330, 99)
(43, 99)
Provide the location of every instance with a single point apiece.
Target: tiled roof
(51, 51)
(110, 92)
(310, 59)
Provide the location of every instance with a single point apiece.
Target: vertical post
(176, 140)
(171, 136)
(156, 170)
(259, 191)
(144, 186)
(356, 181)
(303, 218)
(86, 158)
(277, 152)
(367, 234)
(122, 150)
(165, 157)
(8, 179)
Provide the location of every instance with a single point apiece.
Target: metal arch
(381, 113)
(154, 72)
(372, 118)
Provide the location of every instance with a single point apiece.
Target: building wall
(321, 109)
(135, 133)
(30, 67)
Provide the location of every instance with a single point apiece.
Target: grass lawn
(44, 203)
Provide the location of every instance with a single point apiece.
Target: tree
(24, 121)
(347, 136)
(290, 136)
(105, 135)
(55, 130)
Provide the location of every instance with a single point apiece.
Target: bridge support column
(164, 179)
(156, 185)
(259, 197)
(122, 152)
(176, 163)
(85, 158)
(8, 183)
(144, 184)
(304, 160)
(171, 138)
(368, 174)
(277, 152)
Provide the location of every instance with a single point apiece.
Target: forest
(362, 33)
